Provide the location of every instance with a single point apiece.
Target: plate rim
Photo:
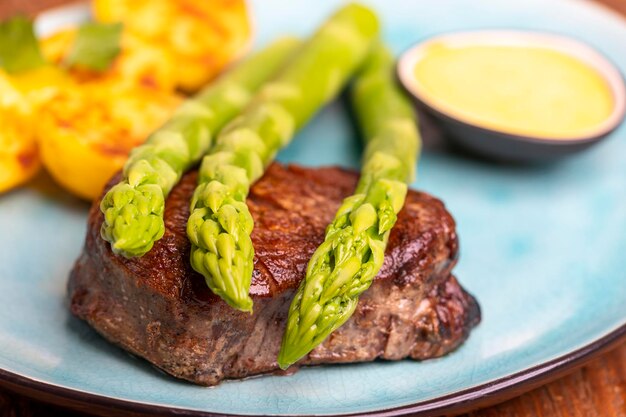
(482, 395)
(489, 393)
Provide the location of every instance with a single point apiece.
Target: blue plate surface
(542, 247)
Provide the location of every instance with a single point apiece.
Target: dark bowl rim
(534, 140)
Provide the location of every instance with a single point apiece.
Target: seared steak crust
(157, 307)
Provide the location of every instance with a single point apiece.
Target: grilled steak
(157, 307)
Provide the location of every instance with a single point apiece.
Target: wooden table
(597, 389)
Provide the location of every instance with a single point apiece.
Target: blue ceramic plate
(542, 249)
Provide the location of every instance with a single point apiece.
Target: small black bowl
(499, 144)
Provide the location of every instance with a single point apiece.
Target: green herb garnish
(19, 49)
(96, 46)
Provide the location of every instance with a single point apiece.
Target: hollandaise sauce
(525, 90)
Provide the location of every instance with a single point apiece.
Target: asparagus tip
(241, 304)
(284, 360)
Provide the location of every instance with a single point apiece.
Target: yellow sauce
(523, 90)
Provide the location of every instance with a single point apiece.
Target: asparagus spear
(133, 208)
(220, 224)
(345, 264)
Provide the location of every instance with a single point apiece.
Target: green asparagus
(345, 264)
(220, 224)
(133, 208)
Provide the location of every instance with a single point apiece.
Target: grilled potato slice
(86, 129)
(139, 62)
(201, 37)
(21, 96)
(86, 132)
(19, 160)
